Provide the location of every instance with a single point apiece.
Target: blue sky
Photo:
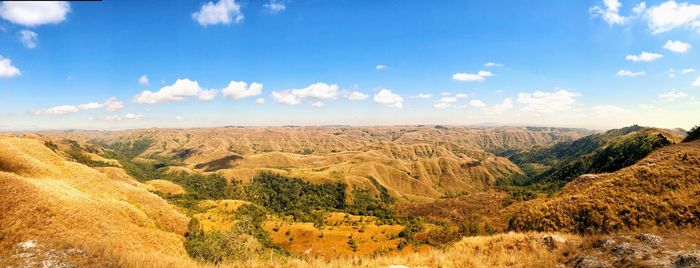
(559, 63)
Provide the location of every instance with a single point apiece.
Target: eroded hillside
(415, 163)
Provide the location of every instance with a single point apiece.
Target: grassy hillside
(660, 190)
(548, 169)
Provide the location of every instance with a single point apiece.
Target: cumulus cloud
(502, 107)
(477, 103)
(644, 57)
(461, 95)
(381, 67)
(673, 95)
(28, 38)
(356, 95)
(182, 89)
(445, 102)
(610, 12)
(677, 46)
(387, 98)
(34, 13)
(223, 12)
(275, 7)
(321, 91)
(670, 15)
(8, 70)
(542, 102)
(628, 73)
(179, 118)
(467, 77)
(492, 64)
(129, 116)
(143, 80)
(260, 100)
(696, 83)
(112, 104)
(240, 89)
(687, 71)
(422, 96)
(318, 104)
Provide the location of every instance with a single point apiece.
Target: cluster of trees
(548, 169)
(693, 134)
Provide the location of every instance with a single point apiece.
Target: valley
(350, 196)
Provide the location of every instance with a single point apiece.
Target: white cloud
(275, 7)
(206, 95)
(28, 38)
(677, 46)
(240, 89)
(91, 106)
(492, 64)
(179, 118)
(356, 95)
(59, 110)
(260, 100)
(445, 102)
(466, 77)
(687, 71)
(502, 107)
(696, 83)
(180, 90)
(673, 95)
(445, 94)
(112, 104)
(286, 97)
(670, 15)
(644, 57)
(388, 99)
(442, 105)
(223, 12)
(34, 13)
(547, 102)
(422, 96)
(318, 104)
(143, 80)
(628, 73)
(8, 70)
(128, 116)
(462, 95)
(381, 67)
(610, 12)
(477, 103)
(321, 91)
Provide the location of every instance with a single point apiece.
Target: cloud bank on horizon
(224, 58)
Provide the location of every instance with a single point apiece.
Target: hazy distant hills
(413, 162)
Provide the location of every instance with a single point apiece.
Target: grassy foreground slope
(66, 203)
(660, 190)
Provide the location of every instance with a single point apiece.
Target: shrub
(693, 134)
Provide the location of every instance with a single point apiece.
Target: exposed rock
(604, 244)
(687, 260)
(650, 239)
(587, 262)
(552, 241)
(27, 245)
(622, 249)
(31, 254)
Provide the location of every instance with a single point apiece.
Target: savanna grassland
(336, 196)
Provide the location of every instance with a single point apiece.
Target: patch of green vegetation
(79, 157)
(693, 134)
(295, 197)
(547, 170)
(51, 145)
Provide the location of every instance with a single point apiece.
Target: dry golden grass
(165, 187)
(660, 190)
(57, 201)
